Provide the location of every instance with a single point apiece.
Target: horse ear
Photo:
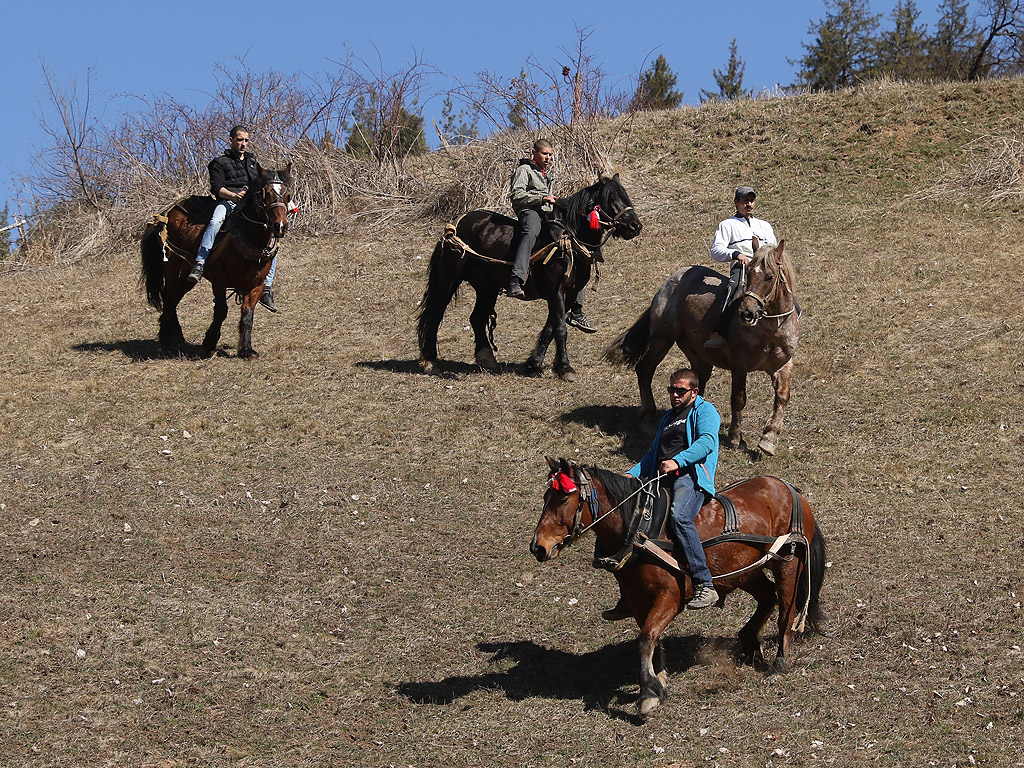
(552, 463)
(780, 247)
(563, 465)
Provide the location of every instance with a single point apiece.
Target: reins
(583, 481)
(763, 302)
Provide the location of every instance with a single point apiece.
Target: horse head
(615, 209)
(770, 286)
(274, 199)
(560, 520)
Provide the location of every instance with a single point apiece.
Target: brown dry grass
(321, 558)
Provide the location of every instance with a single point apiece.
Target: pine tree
(949, 50)
(730, 81)
(902, 51)
(844, 48)
(457, 128)
(656, 88)
(384, 131)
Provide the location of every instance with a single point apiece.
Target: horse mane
(781, 264)
(618, 487)
(578, 205)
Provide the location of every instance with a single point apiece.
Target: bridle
(281, 193)
(586, 490)
(763, 302)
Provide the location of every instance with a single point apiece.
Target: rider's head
(683, 386)
(239, 138)
(745, 200)
(543, 152)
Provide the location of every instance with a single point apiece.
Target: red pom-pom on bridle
(562, 482)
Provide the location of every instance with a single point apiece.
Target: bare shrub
(992, 172)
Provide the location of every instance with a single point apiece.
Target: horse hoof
(252, 354)
(489, 365)
(779, 666)
(427, 366)
(567, 375)
(733, 442)
(767, 447)
(534, 371)
(644, 707)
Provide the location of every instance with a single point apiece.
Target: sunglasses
(680, 390)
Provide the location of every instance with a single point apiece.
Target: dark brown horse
(762, 336)
(239, 261)
(777, 534)
(476, 250)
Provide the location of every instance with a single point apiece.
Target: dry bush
(992, 171)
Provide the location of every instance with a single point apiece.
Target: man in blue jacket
(685, 448)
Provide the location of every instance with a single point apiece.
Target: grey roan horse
(762, 335)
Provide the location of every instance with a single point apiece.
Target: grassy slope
(331, 565)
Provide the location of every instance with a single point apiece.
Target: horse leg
(770, 438)
(480, 318)
(738, 401)
(556, 318)
(763, 591)
(652, 665)
(786, 574)
(245, 350)
(659, 347)
(171, 336)
(443, 280)
(220, 312)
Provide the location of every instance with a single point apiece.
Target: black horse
(477, 250)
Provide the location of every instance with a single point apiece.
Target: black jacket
(233, 172)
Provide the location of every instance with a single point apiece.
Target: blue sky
(142, 49)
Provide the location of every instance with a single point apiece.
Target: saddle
(198, 210)
(648, 530)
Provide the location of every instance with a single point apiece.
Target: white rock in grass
(80, 653)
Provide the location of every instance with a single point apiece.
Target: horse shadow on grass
(448, 369)
(140, 350)
(606, 679)
(623, 422)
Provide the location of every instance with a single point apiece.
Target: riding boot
(717, 337)
(197, 273)
(267, 299)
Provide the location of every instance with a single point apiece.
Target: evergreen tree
(656, 88)
(384, 130)
(457, 128)
(949, 50)
(730, 81)
(903, 50)
(520, 92)
(843, 51)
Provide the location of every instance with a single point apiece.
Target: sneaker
(515, 289)
(197, 273)
(618, 613)
(714, 341)
(704, 596)
(267, 299)
(578, 319)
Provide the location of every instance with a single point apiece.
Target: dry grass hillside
(321, 558)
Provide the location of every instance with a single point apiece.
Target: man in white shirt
(736, 240)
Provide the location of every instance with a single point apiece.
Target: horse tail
(816, 553)
(436, 296)
(630, 347)
(153, 264)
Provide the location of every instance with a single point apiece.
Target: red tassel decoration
(595, 219)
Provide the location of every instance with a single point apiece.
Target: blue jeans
(224, 207)
(268, 281)
(687, 500)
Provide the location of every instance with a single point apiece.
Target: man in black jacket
(231, 175)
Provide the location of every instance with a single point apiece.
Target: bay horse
(476, 250)
(240, 259)
(777, 535)
(762, 336)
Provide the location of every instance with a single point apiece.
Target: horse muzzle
(627, 229)
(542, 553)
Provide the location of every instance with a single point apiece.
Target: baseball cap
(744, 191)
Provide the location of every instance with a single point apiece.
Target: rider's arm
(705, 437)
(720, 248)
(520, 192)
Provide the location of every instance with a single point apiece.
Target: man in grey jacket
(530, 194)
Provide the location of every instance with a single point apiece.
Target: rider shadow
(555, 674)
(138, 350)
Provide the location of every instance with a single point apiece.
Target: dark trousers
(732, 290)
(529, 230)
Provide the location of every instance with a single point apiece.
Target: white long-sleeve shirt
(734, 234)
